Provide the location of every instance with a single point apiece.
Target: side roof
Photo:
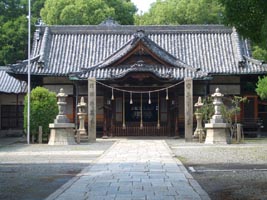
(9, 84)
(61, 50)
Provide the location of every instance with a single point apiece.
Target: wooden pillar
(75, 103)
(112, 118)
(188, 101)
(176, 134)
(105, 117)
(169, 118)
(91, 109)
(105, 122)
(176, 116)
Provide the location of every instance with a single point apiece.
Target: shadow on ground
(34, 181)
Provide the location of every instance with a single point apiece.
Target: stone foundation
(217, 133)
(61, 134)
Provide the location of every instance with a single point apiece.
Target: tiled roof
(158, 70)
(132, 43)
(253, 66)
(9, 84)
(216, 49)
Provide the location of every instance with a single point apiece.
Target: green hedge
(43, 110)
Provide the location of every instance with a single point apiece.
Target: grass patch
(255, 140)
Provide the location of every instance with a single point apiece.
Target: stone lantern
(61, 131)
(81, 113)
(217, 129)
(217, 102)
(62, 105)
(199, 132)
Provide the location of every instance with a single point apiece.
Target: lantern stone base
(199, 132)
(217, 133)
(61, 134)
(199, 135)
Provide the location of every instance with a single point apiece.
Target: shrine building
(141, 73)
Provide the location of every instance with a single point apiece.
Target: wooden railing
(133, 129)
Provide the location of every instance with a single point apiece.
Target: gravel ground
(33, 172)
(236, 171)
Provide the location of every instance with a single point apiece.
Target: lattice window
(12, 116)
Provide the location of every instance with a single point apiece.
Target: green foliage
(236, 101)
(13, 40)
(182, 12)
(14, 23)
(249, 17)
(259, 53)
(262, 87)
(207, 109)
(43, 110)
(11, 9)
(124, 10)
(79, 12)
(14, 29)
(228, 113)
(233, 110)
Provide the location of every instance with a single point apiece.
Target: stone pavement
(4, 141)
(133, 169)
(33, 172)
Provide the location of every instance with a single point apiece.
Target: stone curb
(67, 185)
(48, 153)
(195, 185)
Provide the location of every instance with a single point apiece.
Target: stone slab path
(133, 169)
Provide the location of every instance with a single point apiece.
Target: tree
(182, 12)
(78, 12)
(13, 40)
(124, 10)
(13, 28)
(262, 87)
(259, 53)
(44, 110)
(232, 111)
(248, 16)
(11, 9)
(250, 19)
(13, 19)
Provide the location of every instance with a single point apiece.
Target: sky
(143, 5)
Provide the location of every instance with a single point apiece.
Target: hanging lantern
(131, 98)
(112, 96)
(167, 94)
(149, 99)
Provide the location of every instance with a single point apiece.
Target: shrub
(228, 113)
(262, 87)
(207, 109)
(43, 110)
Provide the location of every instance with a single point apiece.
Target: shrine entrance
(147, 107)
(141, 118)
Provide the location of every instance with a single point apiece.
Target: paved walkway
(133, 169)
